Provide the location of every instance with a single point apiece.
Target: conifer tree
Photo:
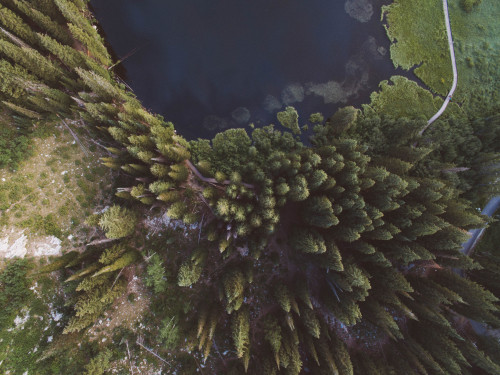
(15, 24)
(306, 253)
(156, 276)
(99, 365)
(118, 222)
(289, 118)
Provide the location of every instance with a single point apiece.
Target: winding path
(492, 206)
(454, 66)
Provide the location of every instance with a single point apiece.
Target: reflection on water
(210, 65)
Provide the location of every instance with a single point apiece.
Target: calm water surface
(211, 64)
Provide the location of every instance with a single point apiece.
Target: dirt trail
(453, 65)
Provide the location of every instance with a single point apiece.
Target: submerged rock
(271, 104)
(212, 123)
(331, 92)
(241, 115)
(356, 76)
(361, 10)
(293, 93)
(382, 50)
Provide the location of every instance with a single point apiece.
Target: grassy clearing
(422, 43)
(477, 48)
(54, 190)
(394, 96)
(50, 194)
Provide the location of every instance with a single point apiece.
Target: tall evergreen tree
(305, 256)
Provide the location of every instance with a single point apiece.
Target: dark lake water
(211, 64)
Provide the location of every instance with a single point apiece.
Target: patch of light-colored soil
(15, 243)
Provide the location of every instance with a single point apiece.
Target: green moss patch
(418, 35)
(395, 95)
(477, 49)
(50, 192)
(422, 43)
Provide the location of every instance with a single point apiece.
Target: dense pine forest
(264, 250)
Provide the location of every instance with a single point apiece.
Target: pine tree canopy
(118, 222)
(339, 255)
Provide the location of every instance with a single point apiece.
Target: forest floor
(127, 311)
(43, 205)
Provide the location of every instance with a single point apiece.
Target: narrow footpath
(492, 206)
(494, 203)
(454, 67)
